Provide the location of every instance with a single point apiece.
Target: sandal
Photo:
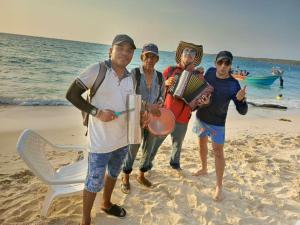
(115, 210)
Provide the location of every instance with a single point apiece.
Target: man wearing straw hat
(188, 56)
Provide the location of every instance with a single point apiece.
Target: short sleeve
(89, 75)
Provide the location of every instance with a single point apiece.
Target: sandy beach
(261, 180)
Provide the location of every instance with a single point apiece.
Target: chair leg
(47, 202)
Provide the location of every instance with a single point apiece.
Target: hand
(145, 118)
(204, 100)
(170, 81)
(106, 115)
(153, 109)
(241, 95)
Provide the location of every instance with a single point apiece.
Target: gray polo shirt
(155, 92)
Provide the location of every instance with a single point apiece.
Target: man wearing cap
(107, 133)
(188, 56)
(150, 84)
(210, 121)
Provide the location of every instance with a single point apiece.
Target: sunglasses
(188, 51)
(225, 62)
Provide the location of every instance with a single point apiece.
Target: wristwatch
(94, 111)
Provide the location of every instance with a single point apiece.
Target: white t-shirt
(104, 137)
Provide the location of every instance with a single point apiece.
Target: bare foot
(200, 172)
(218, 196)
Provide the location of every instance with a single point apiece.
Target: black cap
(120, 38)
(224, 55)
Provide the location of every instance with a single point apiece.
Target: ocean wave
(34, 102)
(291, 103)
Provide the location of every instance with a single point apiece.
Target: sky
(250, 28)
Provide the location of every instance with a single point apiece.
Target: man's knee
(218, 152)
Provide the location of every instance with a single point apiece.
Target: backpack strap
(99, 79)
(160, 78)
(160, 82)
(137, 76)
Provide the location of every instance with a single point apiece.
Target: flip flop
(125, 188)
(115, 210)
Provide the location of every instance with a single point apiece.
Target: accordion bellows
(190, 87)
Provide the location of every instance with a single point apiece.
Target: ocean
(38, 71)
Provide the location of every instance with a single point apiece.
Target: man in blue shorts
(107, 132)
(211, 120)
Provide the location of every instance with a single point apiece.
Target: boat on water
(258, 79)
(238, 76)
(262, 80)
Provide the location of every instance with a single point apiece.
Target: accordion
(190, 88)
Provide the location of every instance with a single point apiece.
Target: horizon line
(284, 61)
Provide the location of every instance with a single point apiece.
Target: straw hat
(182, 45)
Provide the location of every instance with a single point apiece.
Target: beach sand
(261, 180)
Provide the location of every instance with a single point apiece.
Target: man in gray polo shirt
(151, 87)
(107, 132)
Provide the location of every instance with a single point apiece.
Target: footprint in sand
(22, 177)
(254, 160)
(280, 160)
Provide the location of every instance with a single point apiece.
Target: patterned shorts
(97, 165)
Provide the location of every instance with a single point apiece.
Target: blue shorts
(202, 129)
(97, 165)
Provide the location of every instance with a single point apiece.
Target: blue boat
(262, 80)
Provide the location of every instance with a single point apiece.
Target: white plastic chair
(67, 180)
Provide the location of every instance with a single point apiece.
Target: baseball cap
(150, 47)
(121, 38)
(224, 55)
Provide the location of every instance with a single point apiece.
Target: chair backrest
(32, 149)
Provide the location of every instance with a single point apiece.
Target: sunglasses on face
(225, 62)
(188, 51)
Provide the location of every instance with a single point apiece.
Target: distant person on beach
(278, 72)
(107, 132)
(210, 121)
(188, 56)
(281, 81)
(279, 97)
(151, 86)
